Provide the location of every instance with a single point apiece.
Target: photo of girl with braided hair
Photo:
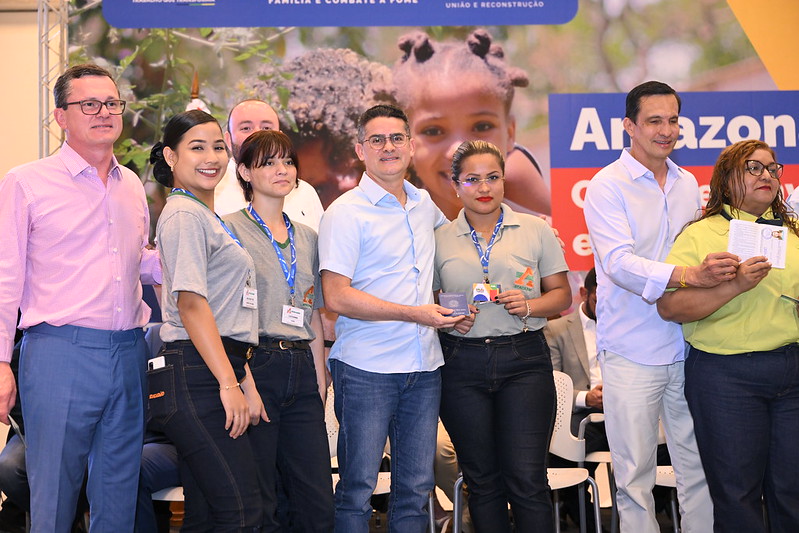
(459, 91)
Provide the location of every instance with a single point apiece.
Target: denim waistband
(496, 341)
(232, 347)
(80, 334)
(788, 349)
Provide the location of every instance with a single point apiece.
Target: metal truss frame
(53, 18)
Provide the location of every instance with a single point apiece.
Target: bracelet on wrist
(525, 317)
(683, 284)
(228, 387)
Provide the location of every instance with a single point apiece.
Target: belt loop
(75, 335)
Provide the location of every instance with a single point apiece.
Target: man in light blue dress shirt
(376, 250)
(635, 208)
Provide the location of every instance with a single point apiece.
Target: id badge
(485, 292)
(293, 316)
(249, 298)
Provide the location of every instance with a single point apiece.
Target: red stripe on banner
(568, 193)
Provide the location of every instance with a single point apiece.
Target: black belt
(482, 341)
(232, 347)
(271, 343)
(237, 348)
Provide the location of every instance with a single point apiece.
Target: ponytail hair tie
(162, 172)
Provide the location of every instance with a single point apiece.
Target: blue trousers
(291, 449)
(82, 394)
(746, 418)
(498, 405)
(371, 407)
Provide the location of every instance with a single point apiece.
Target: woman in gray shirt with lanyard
(497, 392)
(199, 380)
(289, 363)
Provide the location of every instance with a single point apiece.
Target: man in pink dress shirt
(75, 229)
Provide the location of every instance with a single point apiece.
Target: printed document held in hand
(748, 239)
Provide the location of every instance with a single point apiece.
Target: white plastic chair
(563, 444)
(169, 494)
(602, 457)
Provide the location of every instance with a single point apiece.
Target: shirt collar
(588, 324)
(743, 215)
(511, 218)
(77, 166)
(375, 193)
(637, 170)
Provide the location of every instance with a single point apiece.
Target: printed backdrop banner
(586, 134)
(274, 13)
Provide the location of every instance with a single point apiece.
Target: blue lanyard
(183, 192)
(290, 273)
(484, 256)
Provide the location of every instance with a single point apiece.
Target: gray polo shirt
(273, 291)
(198, 255)
(525, 250)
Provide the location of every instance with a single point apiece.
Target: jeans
(159, 470)
(370, 407)
(498, 405)
(185, 406)
(293, 444)
(13, 475)
(746, 410)
(82, 395)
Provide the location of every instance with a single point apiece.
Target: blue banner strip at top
(277, 13)
(585, 130)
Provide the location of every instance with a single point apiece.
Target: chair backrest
(331, 422)
(563, 443)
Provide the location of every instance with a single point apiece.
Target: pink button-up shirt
(72, 250)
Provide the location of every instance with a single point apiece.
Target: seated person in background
(159, 462)
(446, 471)
(572, 345)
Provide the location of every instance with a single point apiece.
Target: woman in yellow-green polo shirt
(742, 370)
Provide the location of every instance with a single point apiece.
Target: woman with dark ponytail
(201, 392)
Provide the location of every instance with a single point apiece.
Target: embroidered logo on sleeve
(308, 297)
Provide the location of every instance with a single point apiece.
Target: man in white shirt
(245, 118)
(635, 208)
